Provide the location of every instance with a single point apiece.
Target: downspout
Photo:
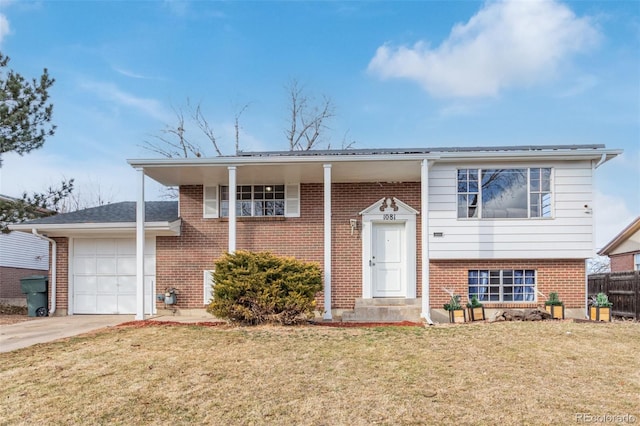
(54, 251)
(603, 159)
(594, 166)
(424, 240)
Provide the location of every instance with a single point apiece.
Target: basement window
(503, 285)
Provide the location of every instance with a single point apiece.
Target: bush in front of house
(255, 288)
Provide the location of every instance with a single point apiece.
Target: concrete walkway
(42, 330)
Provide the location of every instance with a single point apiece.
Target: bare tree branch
(236, 124)
(599, 265)
(307, 122)
(203, 124)
(172, 142)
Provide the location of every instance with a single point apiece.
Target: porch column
(232, 209)
(327, 242)
(424, 238)
(140, 216)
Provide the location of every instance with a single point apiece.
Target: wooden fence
(623, 289)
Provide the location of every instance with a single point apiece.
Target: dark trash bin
(35, 287)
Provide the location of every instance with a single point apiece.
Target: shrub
(454, 303)
(255, 288)
(474, 302)
(553, 300)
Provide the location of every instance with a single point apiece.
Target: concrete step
(387, 301)
(384, 310)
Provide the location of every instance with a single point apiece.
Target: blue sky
(401, 74)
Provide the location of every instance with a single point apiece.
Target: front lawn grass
(506, 373)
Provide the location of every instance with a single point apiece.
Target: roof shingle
(155, 211)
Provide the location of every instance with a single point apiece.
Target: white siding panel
(572, 189)
(22, 250)
(569, 234)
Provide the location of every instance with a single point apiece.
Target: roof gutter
(564, 154)
(161, 228)
(54, 251)
(603, 159)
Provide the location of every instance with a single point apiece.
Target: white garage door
(104, 275)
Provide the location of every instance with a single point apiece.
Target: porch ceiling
(273, 173)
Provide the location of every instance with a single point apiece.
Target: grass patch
(507, 373)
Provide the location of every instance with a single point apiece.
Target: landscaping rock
(517, 315)
(536, 315)
(497, 316)
(513, 315)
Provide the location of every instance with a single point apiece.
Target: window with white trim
(636, 262)
(252, 200)
(503, 285)
(504, 193)
(208, 286)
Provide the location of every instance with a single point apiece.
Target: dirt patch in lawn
(507, 373)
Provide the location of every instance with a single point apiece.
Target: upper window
(253, 200)
(636, 262)
(504, 193)
(503, 285)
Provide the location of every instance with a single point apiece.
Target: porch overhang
(111, 229)
(390, 165)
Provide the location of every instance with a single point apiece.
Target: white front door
(388, 259)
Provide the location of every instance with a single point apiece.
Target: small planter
(556, 311)
(600, 309)
(554, 306)
(600, 313)
(475, 308)
(457, 316)
(477, 313)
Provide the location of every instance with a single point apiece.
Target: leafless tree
(346, 143)
(172, 142)
(599, 265)
(85, 196)
(203, 125)
(236, 124)
(308, 119)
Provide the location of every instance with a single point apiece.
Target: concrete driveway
(42, 330)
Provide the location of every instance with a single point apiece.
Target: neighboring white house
(21, 255)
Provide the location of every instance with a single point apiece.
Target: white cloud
(115, 180)
(507, 43)
(130, 74)
(612, 215)
(579, 85)
(4, 27)
(110, 92)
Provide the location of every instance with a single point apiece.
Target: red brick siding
(622, 262)
(180, 261)
(567, 277)
(62, 283)
(347, 200)
(10, 281)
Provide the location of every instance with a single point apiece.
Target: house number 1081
(390, 216)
